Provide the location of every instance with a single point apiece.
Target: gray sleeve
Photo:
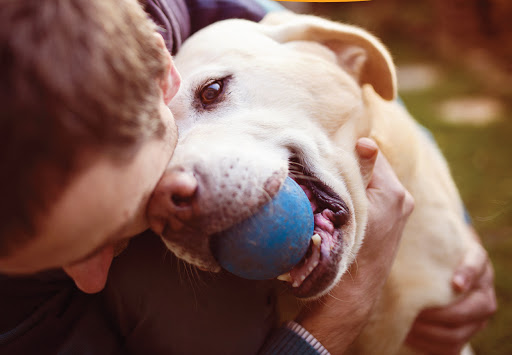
(292, 339)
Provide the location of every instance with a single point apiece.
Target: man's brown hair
(76, 75)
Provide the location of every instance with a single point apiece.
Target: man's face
(104, 205)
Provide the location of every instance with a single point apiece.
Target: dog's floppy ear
(357, 51)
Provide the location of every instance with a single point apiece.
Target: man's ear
(170, 82)
(362, 55)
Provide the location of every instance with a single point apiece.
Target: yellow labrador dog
(290, 96)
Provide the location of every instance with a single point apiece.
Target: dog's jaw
(222, 174)
(316, 272)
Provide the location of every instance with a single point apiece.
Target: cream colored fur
(304, 85)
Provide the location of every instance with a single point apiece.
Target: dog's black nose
(173, 200)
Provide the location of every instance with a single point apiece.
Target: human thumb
(470, 269)
(367, 152)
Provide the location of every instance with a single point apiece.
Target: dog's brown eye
(211, 92)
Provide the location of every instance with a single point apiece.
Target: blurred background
(454, 61)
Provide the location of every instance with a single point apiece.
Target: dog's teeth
(285, 277)
(295, 284)
(315, 264)
(310, 268)
(317, 240)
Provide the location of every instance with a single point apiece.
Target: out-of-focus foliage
(475, 33)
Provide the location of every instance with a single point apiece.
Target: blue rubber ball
(272, 241)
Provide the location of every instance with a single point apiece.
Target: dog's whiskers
(265, 193)
(189, 271)
(355, 271)
(301, 176)
(336, 298)
(295, 164)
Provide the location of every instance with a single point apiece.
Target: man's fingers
(442, 341)
(367, 152)
(476, 306)
(444, 330)
(470, 270)
(397, 196)
(433, 333)
(408, 205)
(389, 206)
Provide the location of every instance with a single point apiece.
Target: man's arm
(446, 330)
(440, 330)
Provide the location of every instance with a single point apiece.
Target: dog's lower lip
(326, 269)
(330, 215)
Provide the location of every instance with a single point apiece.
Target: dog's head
(259, 102)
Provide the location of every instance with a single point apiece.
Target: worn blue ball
(272, 241)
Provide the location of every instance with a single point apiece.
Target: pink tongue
(323, 222)
(325, 229)
(90, 275)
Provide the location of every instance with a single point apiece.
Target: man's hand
(339, 317)
(445, 330)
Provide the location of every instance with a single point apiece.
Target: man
(87, 135)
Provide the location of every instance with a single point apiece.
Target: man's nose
(90, 275)
(174, 200)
